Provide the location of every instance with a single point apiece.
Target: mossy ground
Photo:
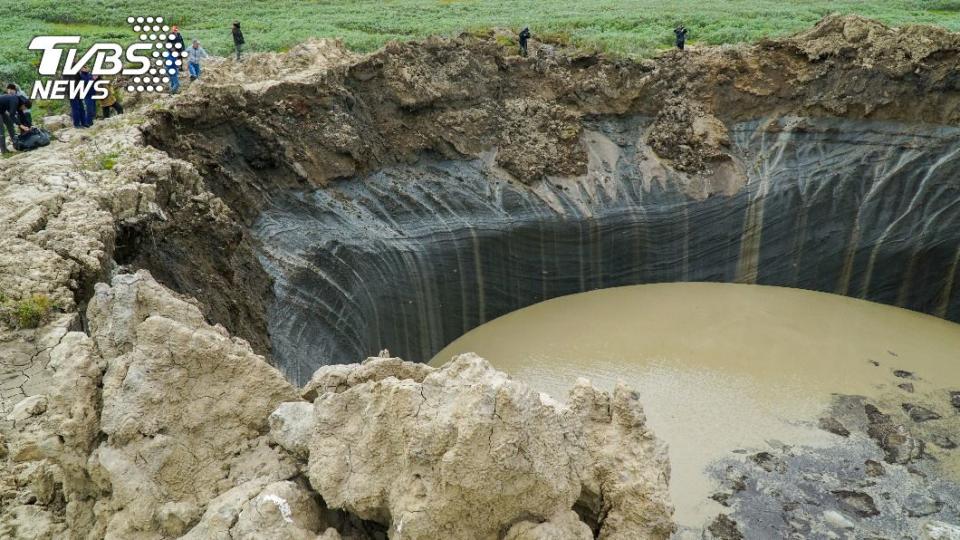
(627, 27)
(28, 312)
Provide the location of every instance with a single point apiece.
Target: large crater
(413, 256)
(399, 199)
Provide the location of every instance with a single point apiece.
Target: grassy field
(629, 27)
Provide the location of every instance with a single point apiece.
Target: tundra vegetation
(626, 27)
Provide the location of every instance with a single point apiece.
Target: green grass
(107, 161)
(627, 27)
(26, 313)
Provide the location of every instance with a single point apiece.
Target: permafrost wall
(401, 198)
(413, 256)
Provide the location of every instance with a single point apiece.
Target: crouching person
(30, 137)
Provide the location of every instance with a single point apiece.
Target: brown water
(720, 367)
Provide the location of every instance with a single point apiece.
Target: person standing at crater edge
(170, 65)
(237, 38)
(524, 37)
(176, 39)
(77, 113)
(681, 33)
(89, 105)
(194, 54)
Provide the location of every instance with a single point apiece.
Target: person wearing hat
(237, 38)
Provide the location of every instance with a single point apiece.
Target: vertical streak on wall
(843, 284)
(748, 264)
(685, 271)
(595, 238)
(947, 291)
(583, 277)
(872, 261)
(478, 268)
(906, 285)
(461, 273)
(543, 261)
(638, 226)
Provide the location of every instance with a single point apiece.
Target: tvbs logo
(69, 74)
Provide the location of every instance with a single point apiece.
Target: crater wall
(413, 256)
(450, 181)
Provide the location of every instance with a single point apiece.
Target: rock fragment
(918, 413)
(943, 441)
(429, 457)
(873, 468)
(897, 443)
(724, 528)
(768, 462)
(838, 520)
(921, 505)
(857, 502)
(291, 426)
(834, 426)
(565, 526)
(939, 530)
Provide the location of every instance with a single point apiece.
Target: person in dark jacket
(89, 105)
(14, 89)
(30, 138)
(9, 105)
(77, 113)
(524, 37)
(237, 38)
(681, 33)
(177, 42)
(24, 116)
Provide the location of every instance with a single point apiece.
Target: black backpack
(31, 140)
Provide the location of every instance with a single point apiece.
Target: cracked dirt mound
(192, 175)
